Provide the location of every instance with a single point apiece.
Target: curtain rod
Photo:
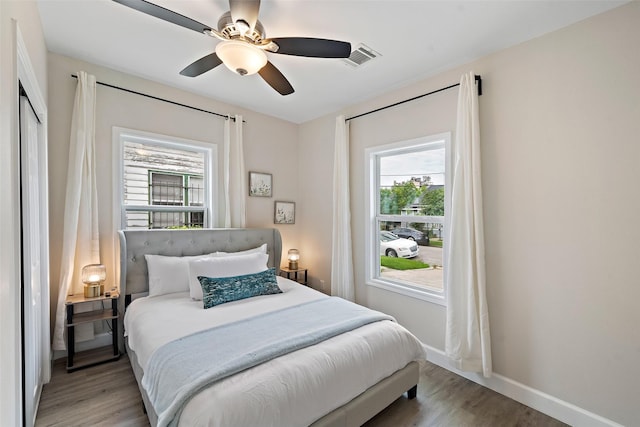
(478, 80)
(162, 99)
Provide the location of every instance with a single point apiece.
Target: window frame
(209, 150)
(372, 206)
(185, 188)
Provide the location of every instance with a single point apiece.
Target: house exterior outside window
(164, 182)
(408, 213)
(168, 189)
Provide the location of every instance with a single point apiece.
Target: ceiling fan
(243, 45)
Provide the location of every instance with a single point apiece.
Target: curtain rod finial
(479, 81)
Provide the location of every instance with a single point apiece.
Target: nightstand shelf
(288, 273)
(92, 316)
(85, 359)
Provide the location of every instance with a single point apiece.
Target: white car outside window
(394, 246)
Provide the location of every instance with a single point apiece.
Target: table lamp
(293, 257)
(93, 276)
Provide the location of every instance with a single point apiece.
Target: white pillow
(223, 267)
(169, 274)
(259, 250)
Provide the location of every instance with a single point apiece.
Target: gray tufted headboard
(134, 244)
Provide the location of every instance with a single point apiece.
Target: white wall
(25, 15)
(315, 154)
(270, 146)
(559, 122)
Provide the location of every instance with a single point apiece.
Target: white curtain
(80, 245)
(235, 180)
(467, 343)
(342, 284)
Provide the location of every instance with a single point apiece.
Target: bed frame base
(352, 414)
(374, 399)
(137, 371)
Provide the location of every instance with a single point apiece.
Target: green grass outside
(435, 243)
(401, 263)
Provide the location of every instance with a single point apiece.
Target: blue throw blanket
(180, 369)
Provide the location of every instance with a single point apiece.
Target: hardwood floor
(446, 399)
(107, 395)
(102, 395)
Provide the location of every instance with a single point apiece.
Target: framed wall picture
(284, 213)
(260, 184)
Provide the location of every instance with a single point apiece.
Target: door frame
(26, 77)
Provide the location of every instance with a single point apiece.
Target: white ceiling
(416, 39)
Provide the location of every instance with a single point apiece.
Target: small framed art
(284, 213)
(260, 184)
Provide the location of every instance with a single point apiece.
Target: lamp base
(92, 290)
(293, 265)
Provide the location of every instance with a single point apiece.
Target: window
(408, 214)
(163, 182)
(176, 190)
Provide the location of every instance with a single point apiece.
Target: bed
(342, 380)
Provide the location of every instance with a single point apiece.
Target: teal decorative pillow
(218, 290)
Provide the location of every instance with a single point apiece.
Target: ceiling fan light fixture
(241, 57)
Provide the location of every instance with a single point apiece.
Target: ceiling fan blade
(202, 65)
(245, 10)
(276, 79)
(164, 14)
(313, 48)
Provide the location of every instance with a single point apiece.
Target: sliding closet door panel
(31, 252)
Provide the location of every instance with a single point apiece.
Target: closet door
(32, 263)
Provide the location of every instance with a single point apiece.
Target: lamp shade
(94, 274)
(241, 57)
(293, 256)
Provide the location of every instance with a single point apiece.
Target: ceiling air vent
(361, 55)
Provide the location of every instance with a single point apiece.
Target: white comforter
(292, 390)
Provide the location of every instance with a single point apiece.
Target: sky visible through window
(401, 167)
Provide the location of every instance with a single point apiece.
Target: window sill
(410, 291)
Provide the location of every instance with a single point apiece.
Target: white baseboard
(545, 403)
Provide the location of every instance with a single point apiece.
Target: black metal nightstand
(288, 272)
(75, 319)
